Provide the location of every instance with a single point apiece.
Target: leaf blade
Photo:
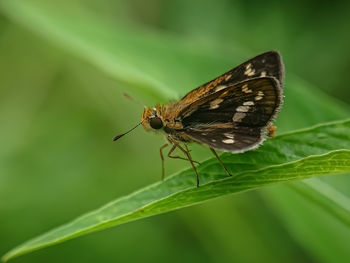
(326, 196)
(291, 163)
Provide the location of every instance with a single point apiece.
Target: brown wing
(268, 64)
(236, 118)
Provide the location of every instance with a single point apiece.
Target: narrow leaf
(327, 197)
(319, 150)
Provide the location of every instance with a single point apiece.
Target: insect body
(231, 113)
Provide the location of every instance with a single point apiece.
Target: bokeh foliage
(63, 69)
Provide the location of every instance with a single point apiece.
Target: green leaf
(315, 221)
(326, 196)
(319, 150)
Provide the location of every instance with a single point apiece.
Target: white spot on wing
(263, 74)
(228, 141)
(242, 108)
(248, 103)
(220, 87)
(229, 135)
(245, 89)
(238, 116)
(215, 104)
(260, 95)
(249, 71)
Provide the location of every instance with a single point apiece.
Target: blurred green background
(63, 69)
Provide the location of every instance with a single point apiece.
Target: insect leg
(221, 163)
(162, 158)
(179, 157)
(189, 159)
(189, 151)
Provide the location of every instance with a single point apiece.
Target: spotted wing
(236, 118)
(268, 64)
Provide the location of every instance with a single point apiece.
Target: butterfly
(233, 112)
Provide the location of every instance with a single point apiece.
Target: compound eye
(156, 123)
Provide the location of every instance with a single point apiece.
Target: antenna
(121, 135)
(127, 96)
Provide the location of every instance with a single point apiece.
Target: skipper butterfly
(232, 113)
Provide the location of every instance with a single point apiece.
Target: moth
(233, 112)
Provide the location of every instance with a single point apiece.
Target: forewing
(268, 64)
(235, 118)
